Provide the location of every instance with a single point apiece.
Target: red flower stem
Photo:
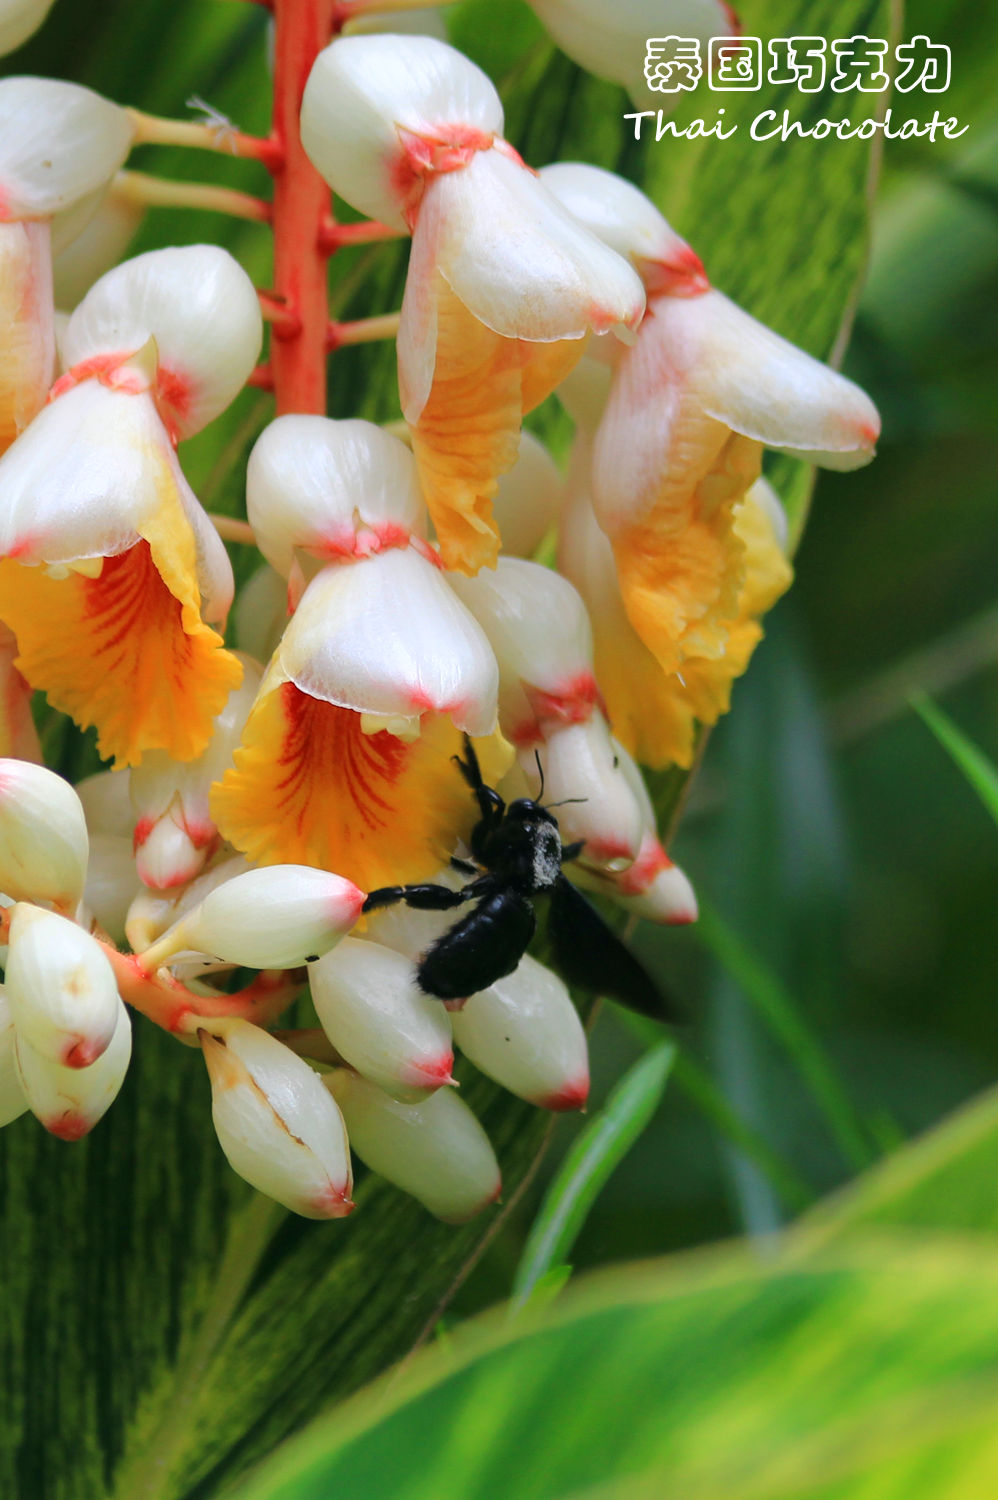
(262, 378)
(302, 206)
(285, 324)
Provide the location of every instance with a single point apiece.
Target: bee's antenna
(565, 801)
(540, 772)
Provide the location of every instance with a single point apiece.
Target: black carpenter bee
(518, 855)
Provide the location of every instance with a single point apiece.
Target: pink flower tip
(69, 1126)
(433, 1073)
(571, 1096)
(333, 1203)
(81, 1053)
(679, 274)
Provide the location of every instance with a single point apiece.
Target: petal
(525, 1033)
(623, 218)
(467, 433)
(311, 787)
(581, 768)
(436, 1149)
(279, 1128)
(112, 884)
(27, 367)
(199, 305)
(107, 805)
(123, 652)
(260, 613)
(388, 637)
(364, 90)
(653, 888)
(58, 142)
(337, 489)
(538, 628)
(18, 19)
(521, 262)
(61, 989)
(529, 499)
(91, 245)
(377, 1018)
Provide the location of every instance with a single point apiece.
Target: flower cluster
(398, 621)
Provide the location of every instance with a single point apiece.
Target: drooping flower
(433, 1149)
(60, 987)
(611, 41)
(690, 408)
(109, 569)
(59, 146)
(346, 757)
(503, 283)
(70, 1101)
(43, 836)
(655, 714)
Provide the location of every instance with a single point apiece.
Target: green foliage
(854, 1360)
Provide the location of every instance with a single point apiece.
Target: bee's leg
(464, 866)
(490, 804)
(423, 897)
(572, 851)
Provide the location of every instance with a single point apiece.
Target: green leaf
(975, 765)
(598, 1149)
(870, 1370)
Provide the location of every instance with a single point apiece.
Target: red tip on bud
(573, 1096)
(69, 1126)
(81, 1054)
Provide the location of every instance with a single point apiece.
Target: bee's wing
(591, 956)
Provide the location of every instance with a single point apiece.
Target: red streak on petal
(571, 703)
(651, 861)
(325, 741)
(69, 1126)
(606, 849)
(143, 829)
(443, 148)
(431, 1073)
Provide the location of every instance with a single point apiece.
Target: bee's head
(526, 810)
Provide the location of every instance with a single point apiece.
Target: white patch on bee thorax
(547, 857)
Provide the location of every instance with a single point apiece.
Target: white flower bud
(372, 1010)
(275, 918)
(582, 770)
(524, 1032)
(278, 1126)
(335, 489)
(19, 19)
(436, 1150)
(112, 883)
(59, 142)
(70, 1101)
(61, 989)
(12, 1100)
(43, 836)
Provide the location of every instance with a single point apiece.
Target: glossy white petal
(19, 19)
(336, 489)
(92, 470)
(623, 218)
(199, 305)
(388, 637)
(586, 389)
(43, 835)
(530, 498)
(279, 1128)
(435, 1150)
(58, 143)
(12, 1100)
(580, 761)
(378, 1019)
(538, 628)
(112, 883)
(520, 261)
(153, 912)
(27, 326)
(364, 90)
(609, 40)
(70, 1101)
(525, 1033)
(60, 987)
(174, 829)
(274, 918)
